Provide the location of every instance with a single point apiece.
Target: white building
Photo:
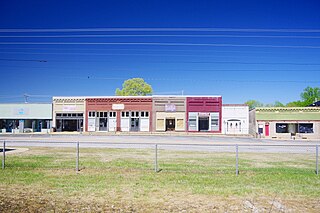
(235, 119)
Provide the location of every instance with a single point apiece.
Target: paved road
(186, 143)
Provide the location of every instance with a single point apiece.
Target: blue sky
(239, 65)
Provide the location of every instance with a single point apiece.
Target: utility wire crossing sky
(266, 50)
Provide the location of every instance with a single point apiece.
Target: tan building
(68, 113)
(169, 113)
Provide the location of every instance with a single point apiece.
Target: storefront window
(305, 128)
(214, 121)
(282, 128)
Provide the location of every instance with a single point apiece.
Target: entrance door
(233, 126)
(267, 129)
(70, 125)
(203, 123)
(134, 124)
(103, 124)
(170, 124)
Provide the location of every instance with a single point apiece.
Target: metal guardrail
(157, 145)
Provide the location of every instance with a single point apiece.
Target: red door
(267, 129)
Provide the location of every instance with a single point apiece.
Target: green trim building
(286, 122)
(25, 118)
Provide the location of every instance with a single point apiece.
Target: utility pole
(26, 96)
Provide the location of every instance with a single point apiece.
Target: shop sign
(170, 107)
(21, 111)
(204, 114)
(69, 108)
(117, 106)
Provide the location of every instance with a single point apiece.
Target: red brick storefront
(122, 111)
(204, 114)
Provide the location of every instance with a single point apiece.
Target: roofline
(27, 103)
(281, 108)
(189, 96)
(151, 96)
(234, 105)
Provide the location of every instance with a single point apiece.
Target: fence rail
(239, 150)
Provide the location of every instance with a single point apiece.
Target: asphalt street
(183, 143)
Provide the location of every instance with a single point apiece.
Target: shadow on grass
(6, 150)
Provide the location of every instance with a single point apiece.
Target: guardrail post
(77, 160)
(4, 155)
(237, 159)
(156, 158)
(317, 159)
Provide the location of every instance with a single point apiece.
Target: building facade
(204, 114)
(131, 113)
(235, 119)
(25, 118)
(68, 114)
(286, 122)
(169, 113)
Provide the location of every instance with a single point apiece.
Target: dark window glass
(282, 128)
(305, 128)
(122, 114)
(105, 114)
(127, 114)
(147, 114)
(142, 114)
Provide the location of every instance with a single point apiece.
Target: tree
(253, 104)
(134, 87)
(310, 95)
(278, 104)
(296, 104)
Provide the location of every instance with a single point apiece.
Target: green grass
(127, 177)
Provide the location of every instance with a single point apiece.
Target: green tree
(310, 95)
(296, 104)
(253, 104)
(134, 87)
(278, 104)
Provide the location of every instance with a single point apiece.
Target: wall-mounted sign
(69, 108)
(204, 114)
(117, 106)
(170, 108)
(21, 111)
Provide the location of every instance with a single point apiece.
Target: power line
(179, 29)
(9, 59)
(195, 79)
(132, 54)
(187, 62)
(140, 49)
(158, 35)
(184, 70)
(161, 44)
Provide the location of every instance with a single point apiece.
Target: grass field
(123, 180)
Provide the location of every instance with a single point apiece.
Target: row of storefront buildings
(158, 114)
